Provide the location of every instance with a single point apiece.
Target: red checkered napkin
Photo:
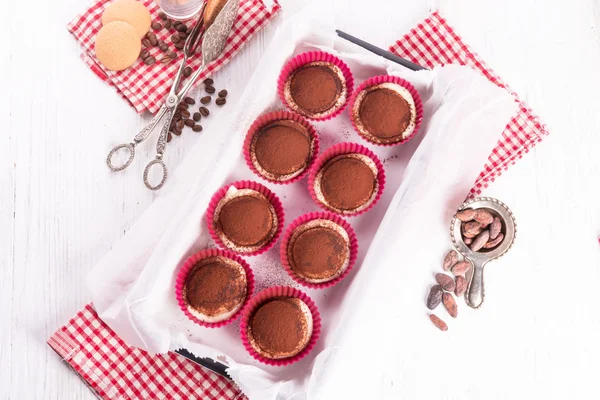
(146, 86)
(116, 371)
(434, 42)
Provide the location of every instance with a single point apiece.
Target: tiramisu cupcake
(316, 85)
(318, 249)
(280, 325)
(281, 146)
(386, 110)
(245, 217)
(347, 179)
(212, 287)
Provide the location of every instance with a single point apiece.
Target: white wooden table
(61, 211)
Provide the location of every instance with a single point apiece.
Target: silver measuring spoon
(475, 293)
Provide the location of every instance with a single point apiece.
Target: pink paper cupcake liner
(376, 80)
(270, 293)
(187, 267)
(339, 149)
(312, 56)
(310, 217)
(272, 197)
(267, 118)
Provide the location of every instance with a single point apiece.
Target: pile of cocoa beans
(480, 229)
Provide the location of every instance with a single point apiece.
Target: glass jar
(180, 9)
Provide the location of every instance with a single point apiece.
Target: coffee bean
(204, 111)
(187, 71)
(449, 260)
(177, 131)
(162, 15)
(156, 26)
(152, 38)
(183, 106)
(169, 137)
(190, 122)
(189, 101)
(163, 46)
(208, 82)
(450, 304)
(220, 101)
(460, 286)
(210, 89)
(146, 42)
(179, 46)
(144, 53)
(461, 268)
(441, 325)
(197, 116)
(172, 54)
(168, 24)
(175, 38)
(182, 35)
(180, 125)
(149, 60)
(181, 27)
(166, 59)
(445, 281)
(205, 100)
(176, 24)
(223, 93)
(435, 297)
(197, 128)
(172, 124)
(185, 114)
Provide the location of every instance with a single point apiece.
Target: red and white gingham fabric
(146, 86)
(434, 42)
(116, 371)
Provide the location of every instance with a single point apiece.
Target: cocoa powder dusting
(315, 88)
(318, 253)
(282, 147)
(246, 220)
(214, 286)
(385, 113)
(347, 183)
(279, 328)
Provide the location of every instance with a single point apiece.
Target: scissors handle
(161, 146)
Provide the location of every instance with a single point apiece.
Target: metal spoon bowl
(475, 291)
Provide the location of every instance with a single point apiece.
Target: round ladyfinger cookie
(117, 45)
(130, 11)
(213, 8)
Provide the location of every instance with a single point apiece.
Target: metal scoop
(475, 293)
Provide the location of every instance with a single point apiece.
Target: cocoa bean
(435, 297)
(441, 325)
(461, 268)
(445, 281)
(495, 228)
(483, 217)
(480, 241)
(450, 260)
(450, 304)
(471, 229)
(468, 241)
(494, 243)
(466, 215)
(461, 286)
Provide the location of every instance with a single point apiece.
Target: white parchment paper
(427, 178)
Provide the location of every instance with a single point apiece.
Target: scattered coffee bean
(176, 24)
(180, 124)
(471, 229)
(450, 260)
(166, 59)
(162, 15)
(189, 100)
(445, 281)
(146, 42)
(153, 39)
(144, 53)
(169, 137)
(450, 304)
(197, 128)
(185, 114)
(189, 122)
(483, 217)
(208, 82)
(495, 242)
(172, 54)
(156, 26)
(223, 93)
(210, 89)
(461, 286)
(187, 71)
(149, 60)
(182, 28)
(163, 46)
(179, 45)
(495, 228)
(197, 116)
(204, 111)
(466, 215)
(480, 241)
(461, 268)
(435, 297)
(182, 36)
(220, 101)
(175, 38)
(183, 106)
(205, 100)
(168, 24)
(441, 325)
